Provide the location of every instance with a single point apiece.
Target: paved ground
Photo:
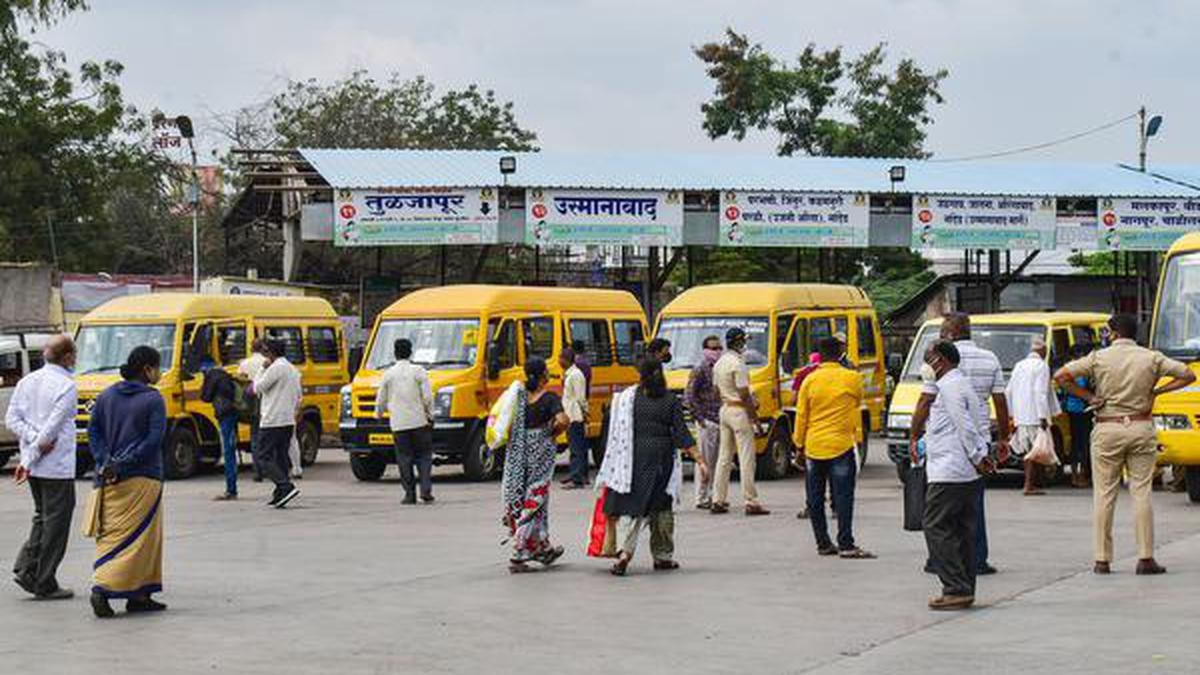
(350, 582)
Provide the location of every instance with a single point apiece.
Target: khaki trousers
(1132, 447)
(662, 533)
(737, 437)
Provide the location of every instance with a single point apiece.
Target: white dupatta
(616, 471)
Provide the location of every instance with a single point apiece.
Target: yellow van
(195, 332)
(474, 340)
(783, 323)
(1009, 337)
(1176, 333)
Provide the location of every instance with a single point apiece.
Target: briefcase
(914, 499)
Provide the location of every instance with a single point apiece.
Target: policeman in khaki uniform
(1125, 378)
(738, 413)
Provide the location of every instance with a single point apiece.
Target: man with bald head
(42, 415)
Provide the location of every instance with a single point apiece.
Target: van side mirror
(354, 360)
(493, 361)
(895, 363)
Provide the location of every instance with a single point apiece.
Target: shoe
(258, 479)
(757, 510)
(225, 497)
(718, 508)
(705, 505)
(571, 485)
(827, 550)
(665, 565)
(548, 556)
(408, 499)
(270, 503)
(929, 568)
(283, 501)
(1149, 566)
(856, 554)
(25, 584)
(100, 606)
(802, 514)
(1102, 567)
(428, 499)
(949, 603)
(59, 594)
(985, 569)
(299, 475)
(146, 604)
(621, 566)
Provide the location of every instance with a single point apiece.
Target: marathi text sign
(1145, 224)
(634, 218)
(807, 219)
(1077, 233)
(961, 221)
(415, 216)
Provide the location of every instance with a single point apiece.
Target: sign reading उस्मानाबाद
(1145, 224)
(806, 219)
(415, 216)
(630, 218)
(961, 221)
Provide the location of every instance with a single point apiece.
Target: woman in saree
(529, 467)
(126, 433)
(644, 473)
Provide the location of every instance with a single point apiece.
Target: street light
(896, 175)
(184, 124)
(1146, 130)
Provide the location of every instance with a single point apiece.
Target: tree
(824, 104)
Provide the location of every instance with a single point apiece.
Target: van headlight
(347, 404)
(900, 422)
(1171, 423)
(441, 403)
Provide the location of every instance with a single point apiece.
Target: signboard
(962, 221)
(1145, 224)
(631, 218)
(415, 216)
(1077, 233)
(810, 219)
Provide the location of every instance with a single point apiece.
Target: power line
(1038, 146)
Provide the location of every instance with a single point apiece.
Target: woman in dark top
(529, 468)
(659, 433)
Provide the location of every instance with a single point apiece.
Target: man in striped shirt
(983, 370)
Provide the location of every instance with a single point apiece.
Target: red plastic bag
(599, 527)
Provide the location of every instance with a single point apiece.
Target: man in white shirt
(956, 453)
(42, 415)
(278, 389)
(1033, 406)
(407, 397)
(575, 405)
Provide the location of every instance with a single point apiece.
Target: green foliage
(823, 104)
(1101, 263)
(38, 12)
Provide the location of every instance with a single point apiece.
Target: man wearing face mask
(982, 369)
(739, 411)
(701, 399)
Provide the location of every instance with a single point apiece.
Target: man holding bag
(1033, 407)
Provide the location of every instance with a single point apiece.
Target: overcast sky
(620, 75)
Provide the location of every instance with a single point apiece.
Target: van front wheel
(180, 456)
(776, 462)
(367, 466)
(309, 437)
(480, 462)
(1193, 483)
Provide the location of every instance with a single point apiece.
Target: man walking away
(248, 370)
(982, 369)
(41, 414)
(739, 412)
(956, 454)
(279, 391)
(701, 399)
(1034, 407)
(220, 390)
(1124, 380)
(407, 397)
(575, 405)
(828, 425)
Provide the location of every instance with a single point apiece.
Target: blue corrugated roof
(457, 168)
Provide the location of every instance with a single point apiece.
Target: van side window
(820, 330)
(539, 337)
(293, 342)
(783, 323)
(592, 335)
(628, 335)
(323, 344)
(1060, 348)
(840, 324)
(231, 344)
(36, 359)
(866, 338)
(504, 341)
(10, 369)
(1084, 335)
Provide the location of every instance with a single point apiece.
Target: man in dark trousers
(279, 390)
(405, 394)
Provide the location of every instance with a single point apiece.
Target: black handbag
(914, 499)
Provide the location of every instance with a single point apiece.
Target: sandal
(856, 554)
(549, 555)
(519, 568)
(665, 565)
(619, 567)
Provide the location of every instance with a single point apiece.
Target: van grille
(364, 405)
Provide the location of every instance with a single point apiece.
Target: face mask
(928, 374)
(712, 353)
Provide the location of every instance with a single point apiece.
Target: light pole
(184, 123)
(1146, 130)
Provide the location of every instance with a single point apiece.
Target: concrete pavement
(349, 581)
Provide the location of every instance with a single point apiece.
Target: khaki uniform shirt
(730, 375)
(1124, 375)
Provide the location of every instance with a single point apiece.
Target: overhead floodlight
(896, 173)
(184, 123)
(508, 164)
(1153, 125)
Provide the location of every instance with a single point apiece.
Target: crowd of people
(1108, 396)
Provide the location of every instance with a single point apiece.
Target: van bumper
(1179, 447)
(450, 437)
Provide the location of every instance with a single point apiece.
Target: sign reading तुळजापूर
(415, 216)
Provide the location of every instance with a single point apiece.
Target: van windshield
(687, 334)
(104, 349)
(1010, 344)
(437, 343)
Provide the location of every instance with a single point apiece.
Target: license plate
(81, 437)
(380, 439)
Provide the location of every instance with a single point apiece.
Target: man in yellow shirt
(828, 426)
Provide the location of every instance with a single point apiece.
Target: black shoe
(929, 569)
(985, 569)
(287, 498)
(25, 584)
(428, 499)
(56, 594)
(100, 606)
(409, 499)
(146, 604)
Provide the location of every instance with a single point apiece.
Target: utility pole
(1142, 139)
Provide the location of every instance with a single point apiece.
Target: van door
(1060, 347)
(789, 355)
(502, 357)
(198, 356)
